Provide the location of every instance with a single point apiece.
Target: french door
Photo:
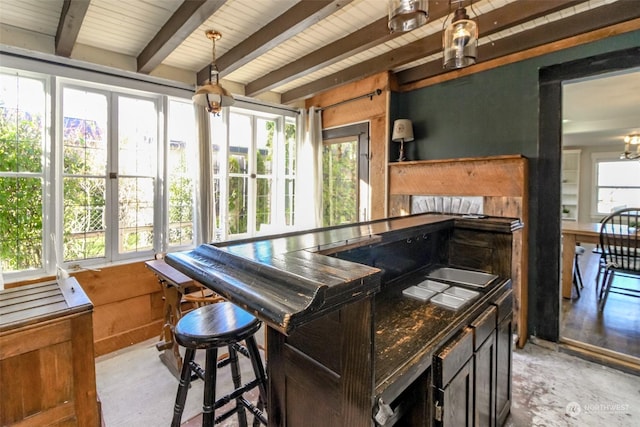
(345, 173)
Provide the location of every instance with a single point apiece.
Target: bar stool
(209, 328)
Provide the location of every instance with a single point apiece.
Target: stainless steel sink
(470, 278)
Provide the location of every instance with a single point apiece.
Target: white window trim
(595, 159)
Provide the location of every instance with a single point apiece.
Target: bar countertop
(289, 279)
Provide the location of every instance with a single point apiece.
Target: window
(345, 174)
(96, 173)
(254, 174)
(22, 171)
(84, 188)
(617, 183)
(108, 185)
(181, 155)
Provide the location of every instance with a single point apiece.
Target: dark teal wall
(496, 112)
(489, 113)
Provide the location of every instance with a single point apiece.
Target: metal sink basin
(475, 279)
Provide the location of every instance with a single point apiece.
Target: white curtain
(205, 201)
(309, 171)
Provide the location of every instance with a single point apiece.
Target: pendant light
(460, 40)
(630, 141)
(212, 96)
(407, 15)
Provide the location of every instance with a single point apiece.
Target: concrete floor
(549, 389)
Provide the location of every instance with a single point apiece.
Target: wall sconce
(630, 140)
(212, 96)
(407, 15)
(402, 132)
(460, 40)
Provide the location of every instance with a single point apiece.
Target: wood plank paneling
(128, 304)
(117, 283)
(115, 318)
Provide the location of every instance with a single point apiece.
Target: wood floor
(617, 327)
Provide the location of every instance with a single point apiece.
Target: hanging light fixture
(460, 40)
(629, 141)
(407, 15)
(212, 96)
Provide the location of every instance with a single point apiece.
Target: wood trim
(613, 30)
(445, 177)
(623, 362)
(375, 112)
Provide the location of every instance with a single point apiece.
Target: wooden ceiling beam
(489, 23)
(302, 15)
(571, 26)
(71, 17)
(186, 19)
(356, 42)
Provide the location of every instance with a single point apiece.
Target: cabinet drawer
(504, 303)
(483, 326)
(452, 357)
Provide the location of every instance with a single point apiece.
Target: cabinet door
(503, 377)
(453, 382)
(454, 403)
(485, 383)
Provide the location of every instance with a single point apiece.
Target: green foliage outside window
(20, 197)
(340, 180)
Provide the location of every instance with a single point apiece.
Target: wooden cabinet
(472, 372)
(47, 367)
(454, 382)
(570, 184)
(504, 349)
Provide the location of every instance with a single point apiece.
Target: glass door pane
(264, 171)
(238, 167)
(85, 148)
(340, 182)
(137, 151)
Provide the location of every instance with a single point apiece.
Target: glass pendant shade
(407, 15)
(460, 42)
(212, 97)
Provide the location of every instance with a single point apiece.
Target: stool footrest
(250, 406)
(197, 370)
(236, 393)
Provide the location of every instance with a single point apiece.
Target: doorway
(550, 175)
(345, 174)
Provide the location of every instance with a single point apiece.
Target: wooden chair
(620, 245)
(201, 297)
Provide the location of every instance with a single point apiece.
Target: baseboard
(612, 359)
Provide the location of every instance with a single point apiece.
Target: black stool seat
(215, 325)
(208, 328)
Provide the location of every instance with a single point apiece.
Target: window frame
(46, 174)
(278, 177)
(596, 159)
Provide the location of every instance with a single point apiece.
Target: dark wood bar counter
(346, 347)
